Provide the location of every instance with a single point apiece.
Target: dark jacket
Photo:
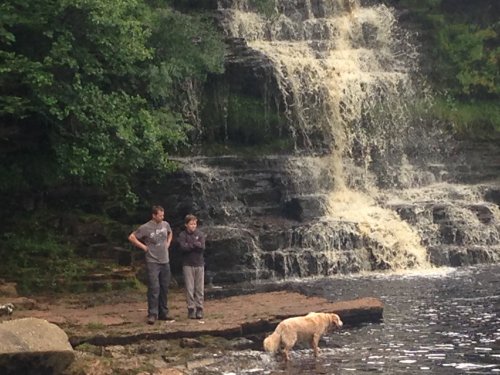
(192, 246)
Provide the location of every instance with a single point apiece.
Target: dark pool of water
(445, 321)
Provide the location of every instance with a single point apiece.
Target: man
(192, 244)
(154, 239)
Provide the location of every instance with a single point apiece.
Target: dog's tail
(272, 342)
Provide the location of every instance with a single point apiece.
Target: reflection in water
(437, 323)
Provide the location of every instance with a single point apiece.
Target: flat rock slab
(242, 315)
(119, 322)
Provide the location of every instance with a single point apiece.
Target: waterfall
(366, 185)
(345, 77)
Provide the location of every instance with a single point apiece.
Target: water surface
(445, 321)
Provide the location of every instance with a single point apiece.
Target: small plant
(95, 326)
(264, 7)
(476, 119)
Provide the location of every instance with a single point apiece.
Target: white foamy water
(395, 242)
(337, 64)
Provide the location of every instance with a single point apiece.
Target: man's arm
(133, 239)
(184, 243)
(200, 244)
(170, 236)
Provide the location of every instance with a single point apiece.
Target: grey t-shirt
(154, 236)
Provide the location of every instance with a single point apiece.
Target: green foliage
(463, 43)
(248, 119)
(265, 7)
(38, 254)
(188, 47)
(477, 119)
(91, 92)
(93, 326)
(472, 65)
(37, 260)
(253, 121)
(39, 250)
(274, 146)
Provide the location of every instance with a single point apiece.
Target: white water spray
(342, 74)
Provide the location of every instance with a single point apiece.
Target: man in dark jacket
(192, 244)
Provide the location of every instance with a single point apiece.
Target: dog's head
(335, 320)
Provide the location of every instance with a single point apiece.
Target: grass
(474, 119)
(95, 326)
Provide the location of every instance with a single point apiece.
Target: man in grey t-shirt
(154, 239)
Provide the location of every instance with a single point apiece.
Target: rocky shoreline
(101, 326)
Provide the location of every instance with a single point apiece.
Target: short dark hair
(190, 217)
(155, 209)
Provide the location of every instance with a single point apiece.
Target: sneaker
(151, 319)
(191, 314)
(199, 313)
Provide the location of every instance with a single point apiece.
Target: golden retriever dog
(307, 328)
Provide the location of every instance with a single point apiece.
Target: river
(441, 321)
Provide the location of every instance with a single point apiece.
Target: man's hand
(133, 239)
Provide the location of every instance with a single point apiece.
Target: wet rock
(33, 346)
(305, 208)
(147, 349)
(115, 351)
(483, 212)
(191, 343)
(242, 343)
(202, 362)
(456, 256)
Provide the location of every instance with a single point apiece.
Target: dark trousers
(158, 280)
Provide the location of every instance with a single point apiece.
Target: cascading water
(339, 69)
(364, 188)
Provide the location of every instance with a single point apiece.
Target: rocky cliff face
(369, 181)
(269, 217)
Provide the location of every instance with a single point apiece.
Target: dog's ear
(335, 319)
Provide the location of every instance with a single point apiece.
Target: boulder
(33, 346)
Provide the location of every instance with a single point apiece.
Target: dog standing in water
(307, 328)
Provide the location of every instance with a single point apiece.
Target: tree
(88, 91)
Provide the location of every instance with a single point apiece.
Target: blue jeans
(158, 280)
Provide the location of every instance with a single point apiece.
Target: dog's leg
(286, 355)
(288, 340)
(315, 343)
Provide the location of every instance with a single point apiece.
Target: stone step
(104, 250)
(102, 285)
(108, 277)
(456, 256)
(269, 210)
(122, 273)
(255, 197)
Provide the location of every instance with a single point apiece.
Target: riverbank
(101, 322)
